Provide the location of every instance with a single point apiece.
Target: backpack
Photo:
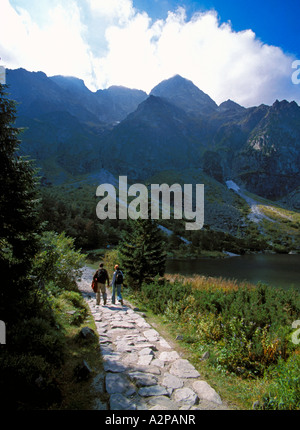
(119, 277)
(101, 276)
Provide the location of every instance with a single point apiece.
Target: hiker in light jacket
(116, 283)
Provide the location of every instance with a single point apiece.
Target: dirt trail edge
(142, 371)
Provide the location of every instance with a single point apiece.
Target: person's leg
(113, 294)
(119, 293)
(103, 292)
(98, 294)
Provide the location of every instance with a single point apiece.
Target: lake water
(279, 270)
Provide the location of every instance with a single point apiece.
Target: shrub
(158, 294)
(248, 327)
(37, 336)
(29, 382)
(58, 261)
(284, 391)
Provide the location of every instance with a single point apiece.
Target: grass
(38, 372)
(72, 314)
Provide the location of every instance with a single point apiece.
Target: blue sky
(230, 49)
(274, 21)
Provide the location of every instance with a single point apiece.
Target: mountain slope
(269, 163)
(157, 136)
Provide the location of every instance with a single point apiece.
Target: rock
(153, 390)
(122, 324)
(82, 371)
(164, 344)
(125, 346)
(158, 363)
(183, 369)
(118, 402)
(152, 335)
(98, 383)
(143, 379)
(206, 392)
(113, 366)
(147, 369)
(130, 358)
(185, 395)
(146, 351)
(169, 356)
(205, 356)
(116, 383)
(162, 403)
(145, 360)
(87, 333)
(171, 381)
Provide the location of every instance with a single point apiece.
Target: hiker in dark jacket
(117, 282)
(101, 277)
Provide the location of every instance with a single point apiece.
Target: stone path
(142, 370)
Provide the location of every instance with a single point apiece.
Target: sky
(245, 51)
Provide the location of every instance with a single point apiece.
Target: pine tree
(19, 221)
(142, 252)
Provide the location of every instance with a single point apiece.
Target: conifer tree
(142, 252)
(19, 221)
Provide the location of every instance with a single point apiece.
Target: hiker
(116, 284)
(101, 276)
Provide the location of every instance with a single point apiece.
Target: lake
(278, 270)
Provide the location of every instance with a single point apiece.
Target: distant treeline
(73, 210)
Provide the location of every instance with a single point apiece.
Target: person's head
(101, 265)
(116, 267)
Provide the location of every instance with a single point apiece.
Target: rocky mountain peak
(184, 94)
(230, 105)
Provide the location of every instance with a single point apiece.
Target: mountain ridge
(176, 126)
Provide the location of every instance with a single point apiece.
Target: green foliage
(142, 252)
(284, 390)
(160, 294)
(72, 209)
(247, 329)
(38, 301)
(19, 220)
(58, 261)
(29, 382)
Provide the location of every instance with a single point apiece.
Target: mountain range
(177, 133)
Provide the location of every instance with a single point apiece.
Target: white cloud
(109, 42)
(223, 63)
(55, 47)
(121, 9)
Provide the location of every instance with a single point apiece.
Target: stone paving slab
(142, 371)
